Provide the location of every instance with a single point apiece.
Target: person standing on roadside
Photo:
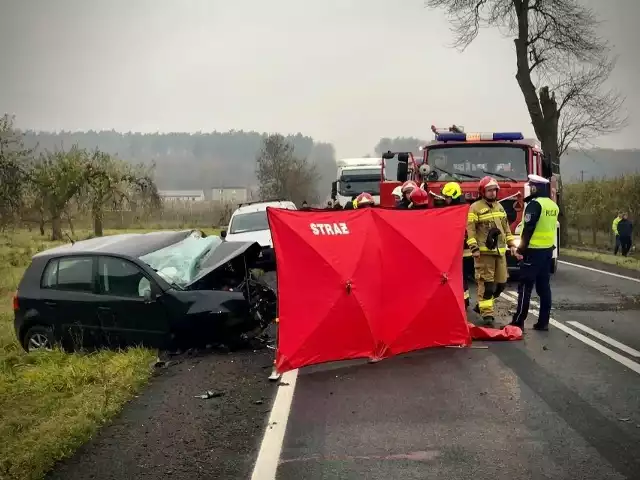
(535, 252)
(488, 237)
(625, 232)
(614, 228)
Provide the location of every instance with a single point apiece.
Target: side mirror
(402, 171)
(334, 190)
(403, 157)
(223, 234)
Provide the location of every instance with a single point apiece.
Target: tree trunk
(41, 225)
(97, 222)
(56, 227)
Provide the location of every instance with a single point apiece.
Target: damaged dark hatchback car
(162, 289)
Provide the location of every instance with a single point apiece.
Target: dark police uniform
(536, 246)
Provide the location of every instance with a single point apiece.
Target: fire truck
(456, 156)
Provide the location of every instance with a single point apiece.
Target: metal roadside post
(274, 372)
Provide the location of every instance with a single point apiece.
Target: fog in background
(342, 71)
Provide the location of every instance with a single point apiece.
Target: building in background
(181, 196)
(231, 194)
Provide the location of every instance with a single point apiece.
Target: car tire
(38, 338)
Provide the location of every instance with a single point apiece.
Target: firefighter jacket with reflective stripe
(484, 216)
(544, 235)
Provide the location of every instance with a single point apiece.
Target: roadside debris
(210, 394)
(258, 402)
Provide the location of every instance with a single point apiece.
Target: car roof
(125, 244)
(262, 206)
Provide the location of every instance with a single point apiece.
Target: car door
(69, 295)
(129, 317)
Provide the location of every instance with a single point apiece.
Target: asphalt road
(550, 406)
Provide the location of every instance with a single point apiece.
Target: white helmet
(397, 192)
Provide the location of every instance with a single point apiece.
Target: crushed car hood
(224, 253)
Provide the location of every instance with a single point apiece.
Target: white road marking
(614, 343)
(594, 333)
(637, 280)
(269, 455)
(630, 364)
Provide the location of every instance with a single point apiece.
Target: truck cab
(465, 158)
(355, 176)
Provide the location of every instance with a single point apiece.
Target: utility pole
(582, 176)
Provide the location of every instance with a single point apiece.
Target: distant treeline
(192, 161)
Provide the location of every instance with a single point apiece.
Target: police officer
(537, 242)
(452, 193)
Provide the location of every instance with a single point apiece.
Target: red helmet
(487, 182)
(408, 186)
(419, 197)
(364, 199)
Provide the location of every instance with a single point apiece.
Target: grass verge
(625, 262)
(52, 402)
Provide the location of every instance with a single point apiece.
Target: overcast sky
(342, 71)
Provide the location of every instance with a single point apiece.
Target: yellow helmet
(452, 189)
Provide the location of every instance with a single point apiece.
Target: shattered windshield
(477, 160)
(179, 263)
(249, 222)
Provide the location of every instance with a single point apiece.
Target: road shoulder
(166, 432)
(599, 265)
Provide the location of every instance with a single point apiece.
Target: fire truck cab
(465, 158)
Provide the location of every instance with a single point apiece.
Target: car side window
(70, 274)
(121, 278)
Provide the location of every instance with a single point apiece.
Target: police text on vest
(329, 228)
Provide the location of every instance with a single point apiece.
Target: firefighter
(397, 195)
(419, 199)
(364, 200)
(452, 193)
(350, 205)
(487, 234)
(537, 242)
(406, 189)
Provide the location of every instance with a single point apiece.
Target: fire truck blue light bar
(471, 137)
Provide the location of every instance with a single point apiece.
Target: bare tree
(562, 66)
(283, 175)
(14, 163)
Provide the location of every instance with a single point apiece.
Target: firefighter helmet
(452, 190)
(397, 192)
(408, 186)
(419, 197)
(364, 199)
(487, 182)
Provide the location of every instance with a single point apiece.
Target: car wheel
(38, 338)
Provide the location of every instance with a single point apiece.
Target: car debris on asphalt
(210, 394)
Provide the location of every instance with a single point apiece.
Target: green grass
(52, 402)
(626, 262)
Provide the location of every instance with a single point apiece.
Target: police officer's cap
(538, 179)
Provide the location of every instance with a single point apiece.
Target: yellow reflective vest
(544, 235)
